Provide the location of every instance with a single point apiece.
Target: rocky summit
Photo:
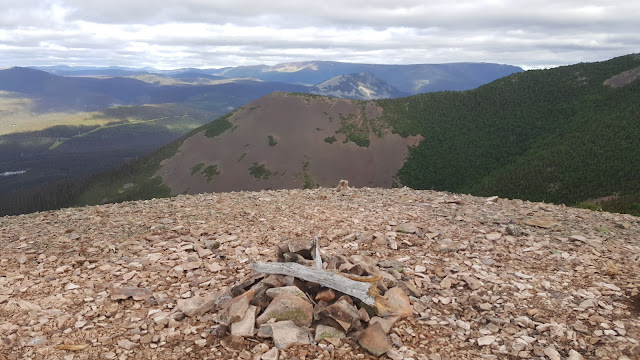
(485, 278)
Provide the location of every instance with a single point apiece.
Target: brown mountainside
(292, 141)
(486, 278)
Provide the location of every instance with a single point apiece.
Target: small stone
(326, 295)
(343, 313)
(542, 222)
(272, 354)
(37, 341)
(420, 268)
(394, 354)
(80, 323)
(374, 340)
(493, 236)
(407, 228)
(578, 238)
(273, 292)
(201, 342)
(325, 331)
(300, 246)
(514, 230)
(463, 325)
(71, 286)
(445, 283)
(486, 340)
(285, 334)
(246, 326)
(137, 294)
(196, 306)
(238, 308)
(127, 344)
(386, 323)
(552, 353)
(287, 306)
(574, 355)
(394, 303)
(472, 282)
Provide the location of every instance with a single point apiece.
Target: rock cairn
(293, 311)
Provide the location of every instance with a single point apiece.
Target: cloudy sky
(214, 33)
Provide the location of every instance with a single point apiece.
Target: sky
(168, 34)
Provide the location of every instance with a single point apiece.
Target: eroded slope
(290, 141)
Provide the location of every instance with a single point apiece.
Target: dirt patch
(300, 125)
(624, 78)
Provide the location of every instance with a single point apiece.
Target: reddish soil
(299, 125)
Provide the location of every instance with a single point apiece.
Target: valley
(66, 123)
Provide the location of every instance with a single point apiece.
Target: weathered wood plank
(323, 277)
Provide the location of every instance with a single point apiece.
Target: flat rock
(486, 340)
(285, 334)
(135, 293)
(294, 290)
(326, 295)
(407, 228)
(541, 222)
(325, 331)
(246, 326)
(197, 305)
(342, 312)
(287, 306)
(127, 344)
(386, 323)
(552, 353)
(238, 308)
(394, 303)
(272, 354)
(472, 282)
(374, 340)
(574, 355)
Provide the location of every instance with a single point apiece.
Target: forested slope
(558, 135)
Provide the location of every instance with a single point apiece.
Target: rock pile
(292, 311)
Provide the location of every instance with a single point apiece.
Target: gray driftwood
(325, 278)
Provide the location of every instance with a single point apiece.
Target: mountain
(410, 79)
(56, 93)
(560, 135)
(362, 86)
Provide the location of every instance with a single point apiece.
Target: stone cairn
(304, 298)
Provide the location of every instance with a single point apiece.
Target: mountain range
(566, 135)
(66, 122)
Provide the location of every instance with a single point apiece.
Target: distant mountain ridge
(410, 79)
(362, 86)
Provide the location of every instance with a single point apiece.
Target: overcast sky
(214, 33)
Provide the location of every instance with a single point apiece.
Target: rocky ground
(487, 278)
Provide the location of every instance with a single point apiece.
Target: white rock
(486, 340)
(552, 353)
(246, 326)
(574, 355)
(71, 286)
(272, 354)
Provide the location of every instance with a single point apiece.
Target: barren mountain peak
(484, 278)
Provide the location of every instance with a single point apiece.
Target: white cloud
(205, 33)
